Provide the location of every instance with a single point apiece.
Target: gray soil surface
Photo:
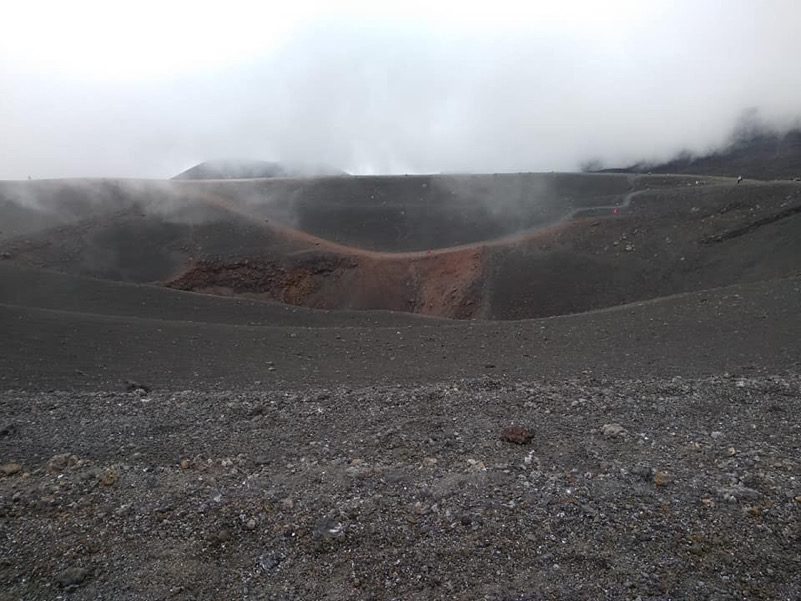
(753, 327)
(281, 462)
(655, 488)
(27, 287)
(163, 444)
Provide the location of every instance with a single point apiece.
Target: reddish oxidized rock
(516, 434)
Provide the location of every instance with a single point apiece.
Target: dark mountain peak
(251, 169)
(754, 150)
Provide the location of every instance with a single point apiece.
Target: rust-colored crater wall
(442, 284)
(613, 239)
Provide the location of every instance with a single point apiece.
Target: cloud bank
(413, 90)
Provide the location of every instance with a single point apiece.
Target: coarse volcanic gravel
(659, 488)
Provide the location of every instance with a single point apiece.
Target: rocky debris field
(485, 489)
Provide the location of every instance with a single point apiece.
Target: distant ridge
(754, 151)
(250, 169)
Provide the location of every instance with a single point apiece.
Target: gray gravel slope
(747, 327)
(656, 488)
(27, 287)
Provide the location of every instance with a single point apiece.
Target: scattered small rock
(661, 478)
(110, 478)
(72, 578)
(531, 458)
(250, 524)
(516, 434)
(58, 463)
(267, 563)
(739, 493)
(140, 389)
(356, 470)
(646, 472)
(613, 431)
(9, 469)
(327, 528)
(477, 465)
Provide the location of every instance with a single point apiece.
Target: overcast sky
(149, 88)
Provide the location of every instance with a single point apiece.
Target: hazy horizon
(411, 88)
